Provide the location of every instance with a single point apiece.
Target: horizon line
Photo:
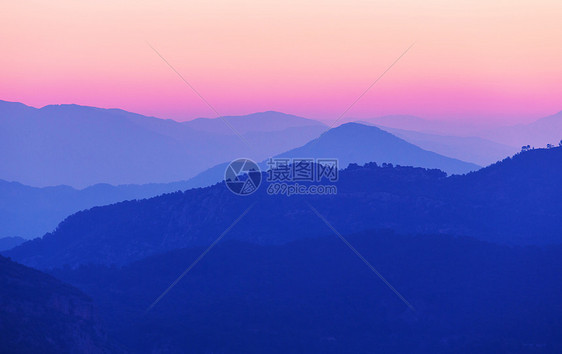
(322, 120)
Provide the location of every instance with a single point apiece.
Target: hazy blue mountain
(466, 148)
(441, 127)
(257, 122)
(515, 201)
(31, 212)
(209, 177)
(543, 131)
(316, 296)
(81, 146)
(406, 122)
(547, 130)
(359, 143)
(7, 243)
(40, 314)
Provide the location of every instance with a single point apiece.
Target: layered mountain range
(515, 201)
(419, 250)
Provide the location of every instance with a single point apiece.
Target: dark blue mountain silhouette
(316, 296)
(40, 314)
(515, 201)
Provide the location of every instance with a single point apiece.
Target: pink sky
(480, 60)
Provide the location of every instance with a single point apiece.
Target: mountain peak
(359, 143)
(69, 106)
(356, 126)
(255, 122)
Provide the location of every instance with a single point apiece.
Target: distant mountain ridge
(539, 133)
(547, 130)
(358, 143)
(471, 149)
(81, 146)
(428, 126)
(255, 122)
(355, 143)
(31, 212)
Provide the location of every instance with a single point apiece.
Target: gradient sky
(481, 60)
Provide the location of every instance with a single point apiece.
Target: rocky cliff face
(39, 313)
